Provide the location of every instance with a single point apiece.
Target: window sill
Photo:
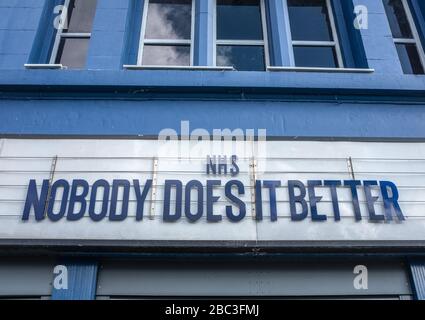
(202, 68)
(44, 66)
(270, 68)
(312, 69)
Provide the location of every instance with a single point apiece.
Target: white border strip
(43, 66)
(315, 69)
(142, 67)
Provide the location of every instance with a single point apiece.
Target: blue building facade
(369, 98)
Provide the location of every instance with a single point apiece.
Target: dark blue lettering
(353, 184)
(314, 200)
(39, 203)
(211, 165)
(391, 202)
(258, 201)
(235, 168)
(141, 197)
(103, 184)
(116, 185)
(242, 207)
(333, 184)
(293, 200)
(60, 184)
(371, 201)
(211, 199)
(194, 184)
(81, 199)
(169, 184)
(272, 185)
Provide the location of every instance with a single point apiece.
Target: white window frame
(263, 43)
(65, 35)
(143, 41)
(335, 43)
(416, 40)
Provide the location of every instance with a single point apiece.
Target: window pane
(239, 20)
(397, 18)
(169, 19)
(166, 55)
(309, 20)
(72, 52)
(242, 58)
(323, 57)
(409, 59)
(81, 14)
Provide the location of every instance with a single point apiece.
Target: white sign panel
(150, 190)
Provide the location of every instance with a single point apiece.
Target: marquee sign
(288, 191)
(115, 208)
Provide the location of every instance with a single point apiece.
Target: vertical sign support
(1, 145)
(351, 168)
(253, 178)
(154, 187)
(52, 175)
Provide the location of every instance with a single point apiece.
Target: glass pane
(309, 20)
(72, 52)
(409, 58)
(169, 19)
(81, 14)
(242, 58)
(397, 18)
(166, 55)
(239, 20)
(323, 57)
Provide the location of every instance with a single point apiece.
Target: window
(313, 33)
(406, 38)
(167, 33)
(72, 41)
(233, 34)
(240, 35)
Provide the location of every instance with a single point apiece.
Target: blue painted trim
(107, 116)
(82, 281)
(280, 47)
(417, 273)
(108, 39)
(350, 39)
(204, 33)
(418, 10)
(169, 79)
(46, 33)
(132, 32)
(377, 40)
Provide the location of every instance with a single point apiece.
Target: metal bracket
(351, 168)
(154, 187)
(253, 179)
(52, 175)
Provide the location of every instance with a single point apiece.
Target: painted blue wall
(120, 102)
(108, 42)
(18, 25)
(314, 119)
